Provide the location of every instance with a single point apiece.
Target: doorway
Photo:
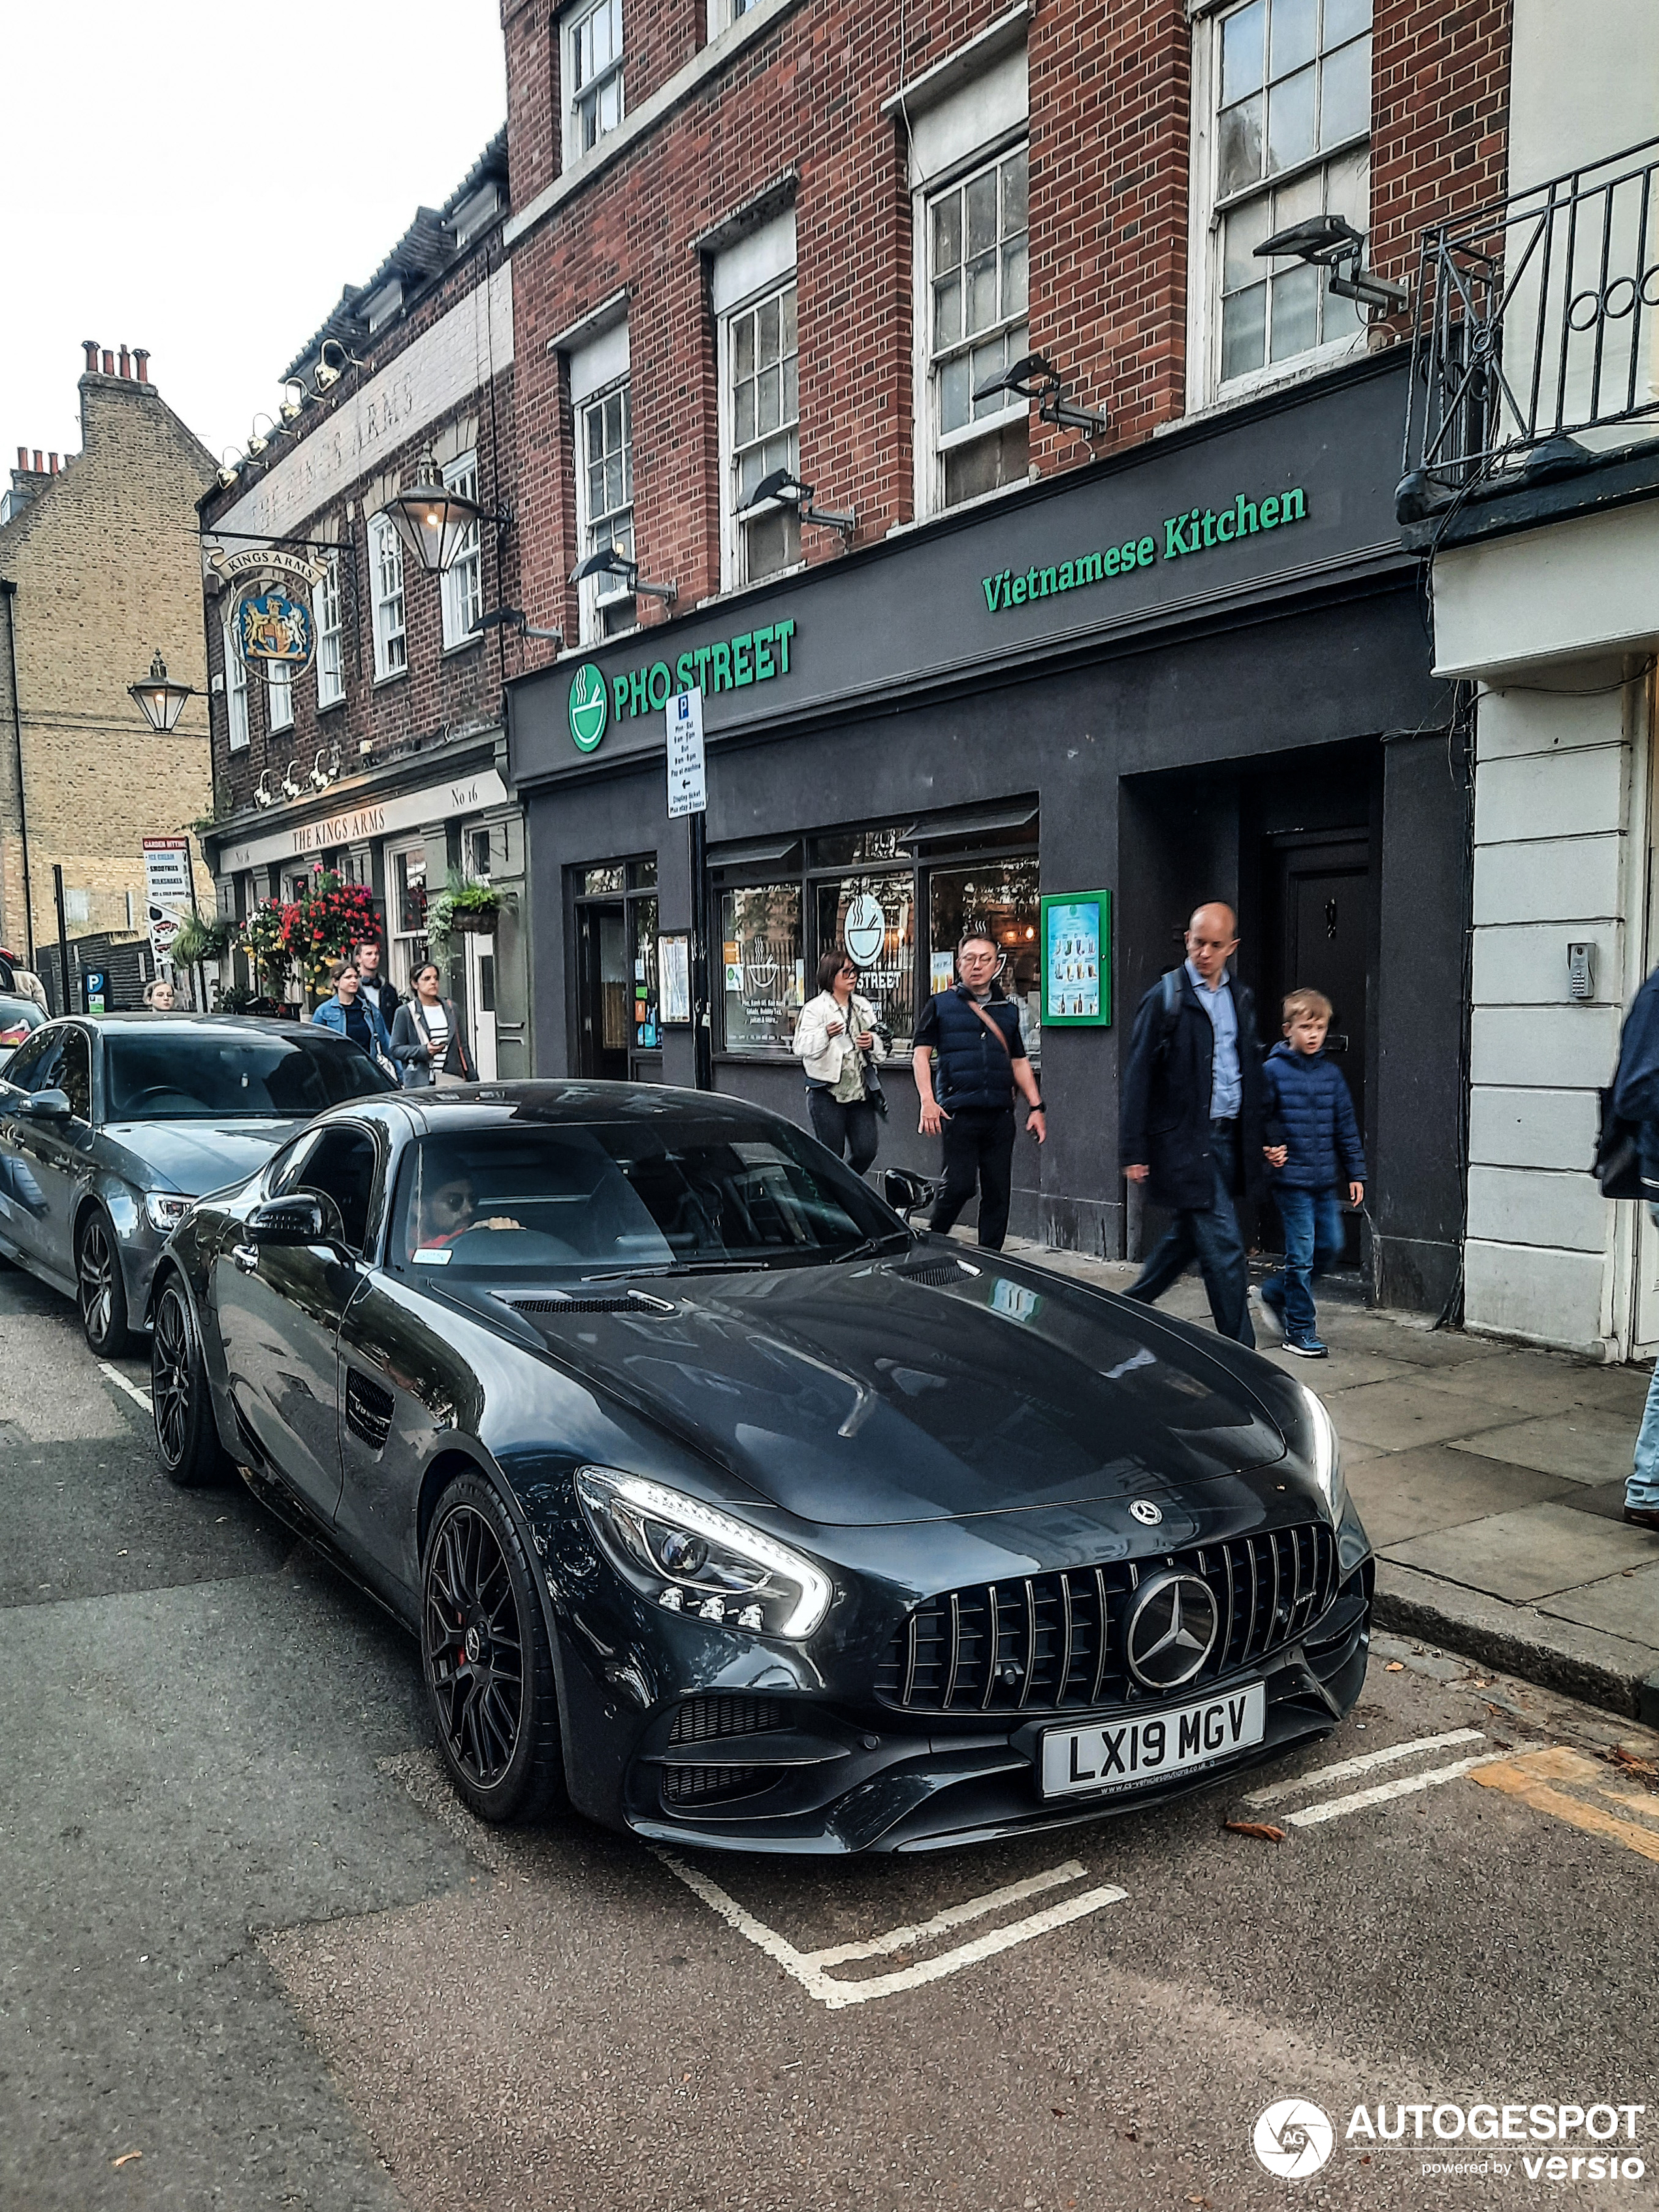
(481, 999)
(618, 1023)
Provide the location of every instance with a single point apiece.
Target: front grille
(1045, 1642)
(699, 1719)
(369, 1409)
(710, 1785)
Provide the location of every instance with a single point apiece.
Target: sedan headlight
(165, 1210)
(693, 1559)
(1327, 1453)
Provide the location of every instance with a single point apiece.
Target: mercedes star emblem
(1171, 1631)
(1146, 1512)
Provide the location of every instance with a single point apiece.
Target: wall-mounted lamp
(513, 618)
(263, 793)
(322, 777)
(1330, 241)
(229, 470)
(325, 374)
(290, 782)
(784, 487)
(294, 396)
(608, 562)
(259, 440)
(1033, 377)
(433, 520)
(162, 701)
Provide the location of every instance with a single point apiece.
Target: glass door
(481, 1001)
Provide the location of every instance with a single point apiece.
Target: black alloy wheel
(99, 1291)
(489, 1669)
(185, 1435)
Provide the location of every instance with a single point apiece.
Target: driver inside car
(448, 1210)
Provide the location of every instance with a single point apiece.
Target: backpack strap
(1169, 1009)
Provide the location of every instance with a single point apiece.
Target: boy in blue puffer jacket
(1308, 1106)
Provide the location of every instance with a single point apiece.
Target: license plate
(1146, 1748)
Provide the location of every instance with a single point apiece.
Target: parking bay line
(1404, 1785)
(808, 1967)
(1319, 1775)
(1529, 1778)
(121, 1382)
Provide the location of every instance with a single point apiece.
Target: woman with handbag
(353, 1017)
(839, 1041)
(428, 1041)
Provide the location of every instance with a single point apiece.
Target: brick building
(385, 760)
(1048, 655)
(99, 571)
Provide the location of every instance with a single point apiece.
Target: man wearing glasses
(982, 1061)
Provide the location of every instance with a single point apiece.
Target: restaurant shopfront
(1064, 714)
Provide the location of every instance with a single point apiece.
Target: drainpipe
(10, 590)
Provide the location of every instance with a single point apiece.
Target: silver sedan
(111, 1128)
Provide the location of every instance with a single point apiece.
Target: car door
(44, 1162)
(279, 1309)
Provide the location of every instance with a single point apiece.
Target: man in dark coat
(1192, 1119)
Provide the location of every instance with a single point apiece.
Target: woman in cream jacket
(837, 1041)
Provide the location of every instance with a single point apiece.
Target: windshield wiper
(874, 1244)
(681, 1267)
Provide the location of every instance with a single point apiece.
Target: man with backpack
(1191, 1118)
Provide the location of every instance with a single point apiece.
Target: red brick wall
(1440, 103)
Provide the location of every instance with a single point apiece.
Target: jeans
(1208, 1234)
(978, 1155)
(1314, 1238)
(1642, 1490)
(839, 1126)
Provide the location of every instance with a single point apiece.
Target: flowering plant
(323, 924)
(264, 934)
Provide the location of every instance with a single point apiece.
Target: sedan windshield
(176, 1075)
(614, 1197)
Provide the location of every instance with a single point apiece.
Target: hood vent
(595, 1301)
(940, 1273)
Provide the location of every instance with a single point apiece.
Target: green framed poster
(1077, 960)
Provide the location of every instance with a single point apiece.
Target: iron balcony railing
(1535, 319)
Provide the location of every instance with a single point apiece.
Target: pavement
(1490, 1479)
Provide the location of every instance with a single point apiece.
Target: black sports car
(731, 1509)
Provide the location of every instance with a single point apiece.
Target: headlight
(165, 1210)
(1327, 1453)
(694, 1558)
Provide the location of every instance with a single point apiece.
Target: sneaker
(1645, 1516)
(1306, 1348)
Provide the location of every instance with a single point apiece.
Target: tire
(185, 1434)
(484, 1653)
(100, 1290)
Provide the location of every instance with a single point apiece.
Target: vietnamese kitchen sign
(1183, 536)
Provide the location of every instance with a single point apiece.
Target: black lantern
(162, 699)
(432, 521)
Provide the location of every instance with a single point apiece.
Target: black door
(604, 991)
(1320, 885)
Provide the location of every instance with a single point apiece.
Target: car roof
(570, 1099)
(207, 1025)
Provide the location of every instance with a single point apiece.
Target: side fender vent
(369, 1409)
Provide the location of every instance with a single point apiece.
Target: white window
(463, 583)
(406, 910)
(605, 492)
(1286, 87)
(385, 564)
(592, 75)
(235, 692)
(325, 612)
(279, 698)
(760, 352)
(976, 310)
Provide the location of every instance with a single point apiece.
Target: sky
(203, 180)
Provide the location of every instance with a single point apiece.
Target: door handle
(246, 1257)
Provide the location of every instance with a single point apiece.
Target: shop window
(407, 872)
(358, 866)
(462, 580)
(1287, 86)
(235, 693)
(331, 657)
(764, 965)
(872, 916)
(977, 305)
(385, 562)
(592, 75)
(606, 495)
(763, 405)
(999, 895)
(600, 883)
(279, 698)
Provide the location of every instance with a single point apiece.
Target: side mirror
(297, 1220)
(904, 1190)
(46, 1105)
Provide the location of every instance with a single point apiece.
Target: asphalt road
(253, 1954)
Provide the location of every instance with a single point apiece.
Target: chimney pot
(23, 457)
(109, 362)
(141, 357)
(38, 470)
(89, 346)
(53, 457)
(126, 362)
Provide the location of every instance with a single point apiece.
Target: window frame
(462, 582)
(932, 442)
(382, 536)
(404, 947)
(577, 92)
(279, 700)
(327, 613)
(734, 535)
(594, 603)
(238, 736)
(1207, 213)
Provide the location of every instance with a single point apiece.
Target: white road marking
(1333, 1808)
(121, 1381)
(1317, 1776)
(808, 1967)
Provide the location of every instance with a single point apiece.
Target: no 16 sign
(688, 781)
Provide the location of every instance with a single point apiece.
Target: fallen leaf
(1366, 2159)
(1628, 1763)
(1395, 1666)
(1059, 2111)
(126, 2158)
(1262, 1830)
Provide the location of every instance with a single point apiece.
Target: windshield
(168, 1074)
(607, 1197)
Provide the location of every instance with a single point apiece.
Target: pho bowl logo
(866, 929)
(1293, 2139)
(590, 707)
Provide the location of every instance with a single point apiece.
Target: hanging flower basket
(463, 908)
(474, 920)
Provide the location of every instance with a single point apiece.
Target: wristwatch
(1036, 1106)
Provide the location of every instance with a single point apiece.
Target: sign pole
(687, 795)
(63, 939)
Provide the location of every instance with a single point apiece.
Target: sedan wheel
(101, 1291)
(489, 1670)
(184, 1432)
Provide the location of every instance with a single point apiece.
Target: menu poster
(674, 972)
(1077, 952)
